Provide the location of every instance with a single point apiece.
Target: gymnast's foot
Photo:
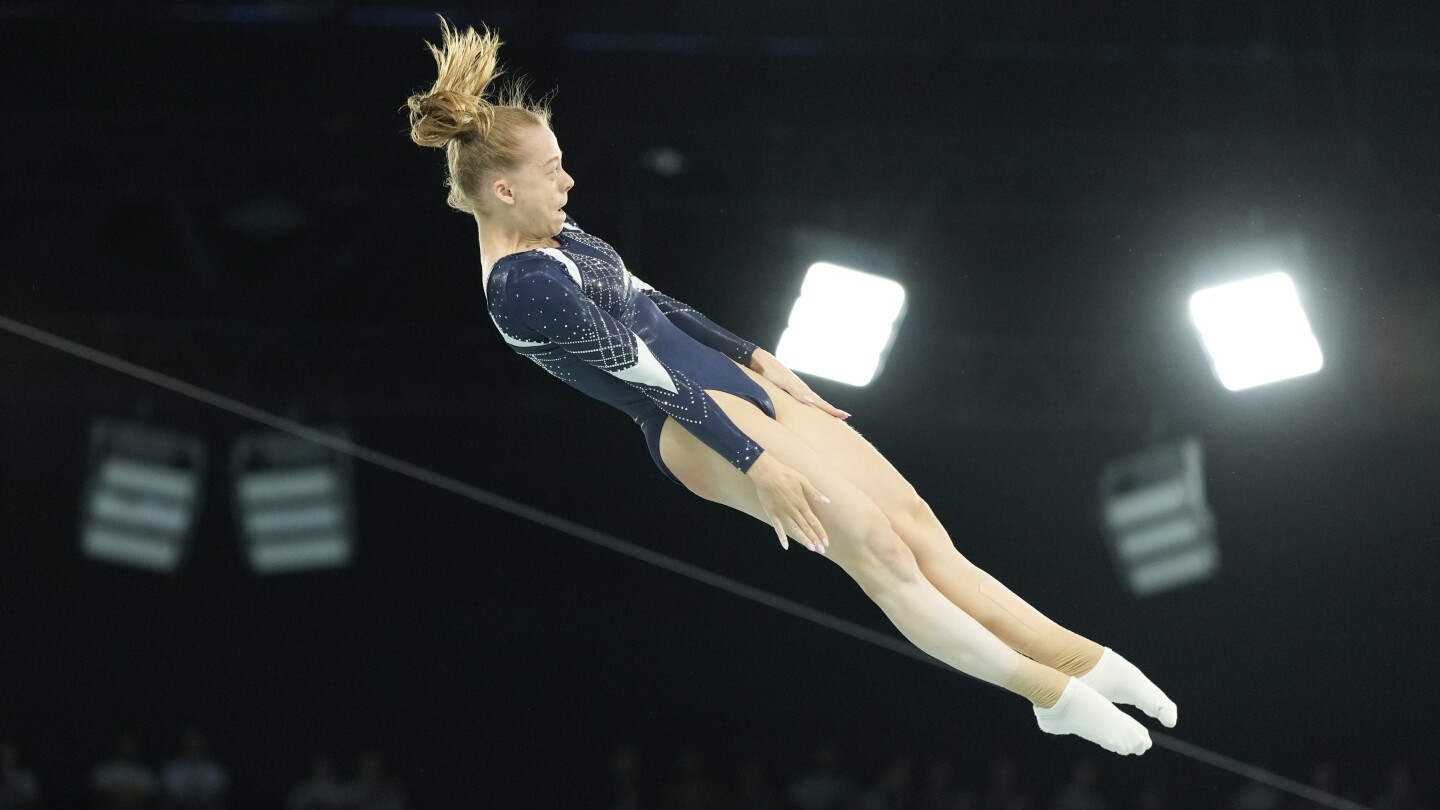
(1119, 681)
(1085, 713)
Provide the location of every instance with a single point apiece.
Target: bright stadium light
(1255, 331)
(294, 504)
(842, 325)
(141, 496)
(1153, 512)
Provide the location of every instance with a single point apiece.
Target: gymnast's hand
(786, 497)
(777, 372)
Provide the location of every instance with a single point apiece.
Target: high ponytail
(476, 129)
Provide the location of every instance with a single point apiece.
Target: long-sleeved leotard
(579, 314)
(694, 323)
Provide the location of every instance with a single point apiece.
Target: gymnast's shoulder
(524, 274)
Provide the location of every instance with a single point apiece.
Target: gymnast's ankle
(1040, 684)
(1068, 652)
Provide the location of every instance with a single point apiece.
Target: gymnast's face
(538, 187)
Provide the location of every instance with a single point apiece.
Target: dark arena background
(215, 205)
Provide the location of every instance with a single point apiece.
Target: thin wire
(610, 542)
(1256, 774)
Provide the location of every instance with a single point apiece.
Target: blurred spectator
(628, 790)
(124, 783)
(192, 780)
(755, 790)
(374, 789)
(321, 791)
(895, 788)
(692, 787)
(1004, 792)
(824, 787)
(18, 789)
(1399, 792)
(1078, 793)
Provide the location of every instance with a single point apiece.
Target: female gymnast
(727, 421)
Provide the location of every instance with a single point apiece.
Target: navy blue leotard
(580, 315)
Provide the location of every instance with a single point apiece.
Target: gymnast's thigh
(846, 451)
(848, 519)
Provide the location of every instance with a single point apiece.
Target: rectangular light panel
(1255, 331)
(295, 516)
(842, 324)
(141, 496)
(1159, 527)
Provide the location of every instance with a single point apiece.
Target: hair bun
(440, 116)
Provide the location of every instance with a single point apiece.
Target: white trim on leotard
(648, 370)
(570, 267)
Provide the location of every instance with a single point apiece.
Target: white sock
(1121, 682)
(1085, 713)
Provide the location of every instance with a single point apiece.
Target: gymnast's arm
(747, 354)
(693, 323)
(547, 302)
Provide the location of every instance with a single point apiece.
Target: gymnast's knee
(882, 555)
(918, 526)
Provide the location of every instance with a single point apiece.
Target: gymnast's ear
(500, 189)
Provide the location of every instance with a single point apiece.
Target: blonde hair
(478, 132)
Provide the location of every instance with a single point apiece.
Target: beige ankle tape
(1041, 684)
(1065, 651)
(1029, 632)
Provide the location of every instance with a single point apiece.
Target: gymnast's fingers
(798, 528)
(815, 496)
(808, 528)
(815, 530)
(780, 533)
(828, 408)
(811, 398)
(803, 531)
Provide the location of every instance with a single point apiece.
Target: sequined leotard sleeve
(545, 315)
(694, 323)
